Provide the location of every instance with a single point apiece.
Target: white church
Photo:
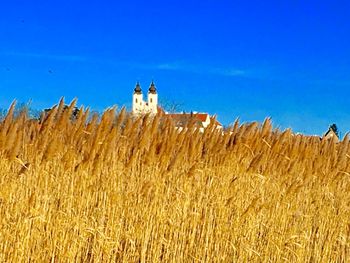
(139, 107)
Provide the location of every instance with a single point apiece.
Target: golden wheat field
(123, 189)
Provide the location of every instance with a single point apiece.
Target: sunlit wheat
(124, 189)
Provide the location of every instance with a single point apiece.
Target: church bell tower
(137, 100)
(152, 99)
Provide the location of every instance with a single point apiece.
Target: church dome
(137, 89)
(152, 88)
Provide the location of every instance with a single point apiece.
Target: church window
(136, 100)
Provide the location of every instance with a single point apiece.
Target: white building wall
(137, 103)
(139, 106)
(152, 103)
(206, 122)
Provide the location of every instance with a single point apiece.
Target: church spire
(152, 89)
(137, 89)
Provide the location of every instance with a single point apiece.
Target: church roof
(183, 119)
(152, 88)
(160, 111)
(137, 89)
(201, 116)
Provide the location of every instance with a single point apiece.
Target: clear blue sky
(250, 59)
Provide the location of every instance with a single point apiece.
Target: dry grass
(135, 190)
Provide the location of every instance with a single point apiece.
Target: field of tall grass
(123, 189)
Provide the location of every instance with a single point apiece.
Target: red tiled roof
(160, 110)
(202, 116)
(182, 119)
